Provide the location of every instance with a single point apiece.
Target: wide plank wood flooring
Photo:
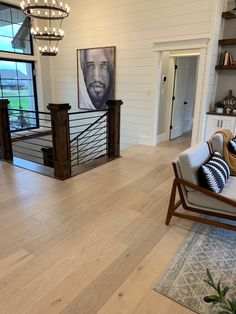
(95, 243)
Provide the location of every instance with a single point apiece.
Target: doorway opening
(182, 100)
(166, 55)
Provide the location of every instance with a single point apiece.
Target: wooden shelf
(228, 16)
(227, 41)
(226, 67)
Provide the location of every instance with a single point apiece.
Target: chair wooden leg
(172, 206)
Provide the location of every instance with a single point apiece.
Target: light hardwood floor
(96, 243)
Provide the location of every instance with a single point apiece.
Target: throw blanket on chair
(228, 156)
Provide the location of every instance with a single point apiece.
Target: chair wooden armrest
(173, 205)
(209, 193)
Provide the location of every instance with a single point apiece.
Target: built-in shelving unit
(226, 67)
(227, 42)
(228, 15)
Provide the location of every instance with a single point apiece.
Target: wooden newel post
(5, 134)
(114, 127)
(61, 140)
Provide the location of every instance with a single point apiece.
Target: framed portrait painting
(96, 77)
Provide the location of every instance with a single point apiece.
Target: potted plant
(219, 107)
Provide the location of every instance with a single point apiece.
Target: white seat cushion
(199, 199)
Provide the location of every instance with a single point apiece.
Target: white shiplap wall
(132, 26)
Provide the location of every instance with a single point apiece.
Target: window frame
(31, 39)
(35, 92)
(32, 58)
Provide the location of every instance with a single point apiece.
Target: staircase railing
(90, 144)
(67, 143)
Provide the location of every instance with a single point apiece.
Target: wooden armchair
(194, 198)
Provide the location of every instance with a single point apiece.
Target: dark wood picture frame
(96, 77)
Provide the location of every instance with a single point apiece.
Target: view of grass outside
(16, 85)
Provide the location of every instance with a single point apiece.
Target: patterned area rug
(205, 247)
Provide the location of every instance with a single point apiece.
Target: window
(17, 82)
(14, 30)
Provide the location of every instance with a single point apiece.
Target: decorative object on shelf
(234, 9)
(230, 101)
(219, 107)
(45, 18)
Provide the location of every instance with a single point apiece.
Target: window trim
(35, 92)
(31, 40)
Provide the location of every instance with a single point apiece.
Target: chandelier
(45, 18)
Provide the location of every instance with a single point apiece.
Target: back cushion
(191, 159)
(217, 142)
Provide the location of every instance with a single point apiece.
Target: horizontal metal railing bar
(28, 142)
(91, 142)
(82, 163)
(72, 160)
(91, 150)
(75, 147)
(27, 148)
(79, 126)
(89, 129)
(42, 126)
(31, 111)
(79, 158)
(87, 110)
(85, 118)
(34, 132)
(16, 151)
(39, 139)
(45, 126)
(28, 124)
(87, 149)
(90, 123)
(91, 154)
(98, 128)
(90, 136)
(32, 118)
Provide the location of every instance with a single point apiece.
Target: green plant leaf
(218, 288)
(232, 305)
(225, 290)
(212, 299)
(224, 312)
(209, 276)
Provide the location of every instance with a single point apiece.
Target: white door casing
(200, 46)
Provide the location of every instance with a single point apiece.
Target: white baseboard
(161, 138)
(145, 140)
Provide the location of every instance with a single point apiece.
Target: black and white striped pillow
(232, 145)
(214, 174)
